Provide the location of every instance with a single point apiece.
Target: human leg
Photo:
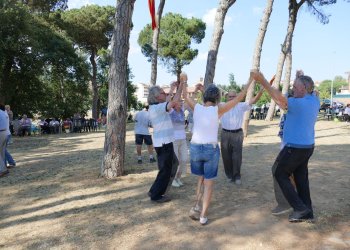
(212, 154)
(301, 176)
(180, 149)
(226, 152)
(165, 165)
(138, 142)
(237, 150)
(282, 203)
(149, 143)
(291, 158)
(3, 138)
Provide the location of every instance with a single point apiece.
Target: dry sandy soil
(54, 198)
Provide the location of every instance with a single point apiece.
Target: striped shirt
(163, 131)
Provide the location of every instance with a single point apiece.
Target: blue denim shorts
(205, 160)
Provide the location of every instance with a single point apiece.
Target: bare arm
(178, 92)
(188, 100)
(275, 94)
(223, 108)
(172, 87)
(259, 94)
(257, 97)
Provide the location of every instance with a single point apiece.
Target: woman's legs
(208, 191)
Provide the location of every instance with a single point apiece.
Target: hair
(2, 107)
(306, 80)
(212, 94)
(153, 93)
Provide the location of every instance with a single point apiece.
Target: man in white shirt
(142, 134)
(232, 136)
(163, 138)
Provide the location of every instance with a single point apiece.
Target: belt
(232, 131)
(1, 130)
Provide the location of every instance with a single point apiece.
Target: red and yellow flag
(153, 13)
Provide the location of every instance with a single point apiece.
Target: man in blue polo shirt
(299, 139)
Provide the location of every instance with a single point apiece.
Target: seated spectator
(25, 126)
(67, 125)
(44, 126)
(347, 113)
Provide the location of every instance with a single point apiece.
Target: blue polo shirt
(299, 126)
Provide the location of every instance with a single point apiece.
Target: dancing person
(180, 144)
(163, 138)
(142, 124)
(299, 139)
(232, 136)
(204, 149)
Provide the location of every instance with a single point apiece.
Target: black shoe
(139, 161)
(163, 199)
(151, 160)
(299, 216)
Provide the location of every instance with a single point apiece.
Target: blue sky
(322, 51)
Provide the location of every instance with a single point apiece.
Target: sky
(321, 51)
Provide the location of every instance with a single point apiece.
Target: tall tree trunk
(287, 75)
(221, 12)
(94, 84)
(114, 147)
(286, 47)
(256, 58)
(155, 44)
(288, 72)
(5, 79)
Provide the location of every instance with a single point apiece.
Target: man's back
(142, 122)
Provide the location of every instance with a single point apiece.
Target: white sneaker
(203, 220)
(180, 182)
(175, 183)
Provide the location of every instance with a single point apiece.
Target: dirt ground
(54, 198)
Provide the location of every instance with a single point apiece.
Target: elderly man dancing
(299, 139)
(163, 138)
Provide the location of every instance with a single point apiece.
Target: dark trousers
(231, 151)
(294, 161)
(167, 167)
(280, 199)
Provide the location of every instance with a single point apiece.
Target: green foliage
(175, 38)
(33, 57)
(90, 27)
(325, 86)
(102, 75)
(232, 85)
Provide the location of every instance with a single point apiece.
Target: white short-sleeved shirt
(142, 123)
(233, 118)
(205, 124)
(163, 131)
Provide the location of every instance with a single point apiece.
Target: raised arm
(223, 108)
(187, 99)
(275, 94)
(172, 87)
(259, 94)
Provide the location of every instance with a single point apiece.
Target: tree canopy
(175, 38)
(32, 52)
(91, 29)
